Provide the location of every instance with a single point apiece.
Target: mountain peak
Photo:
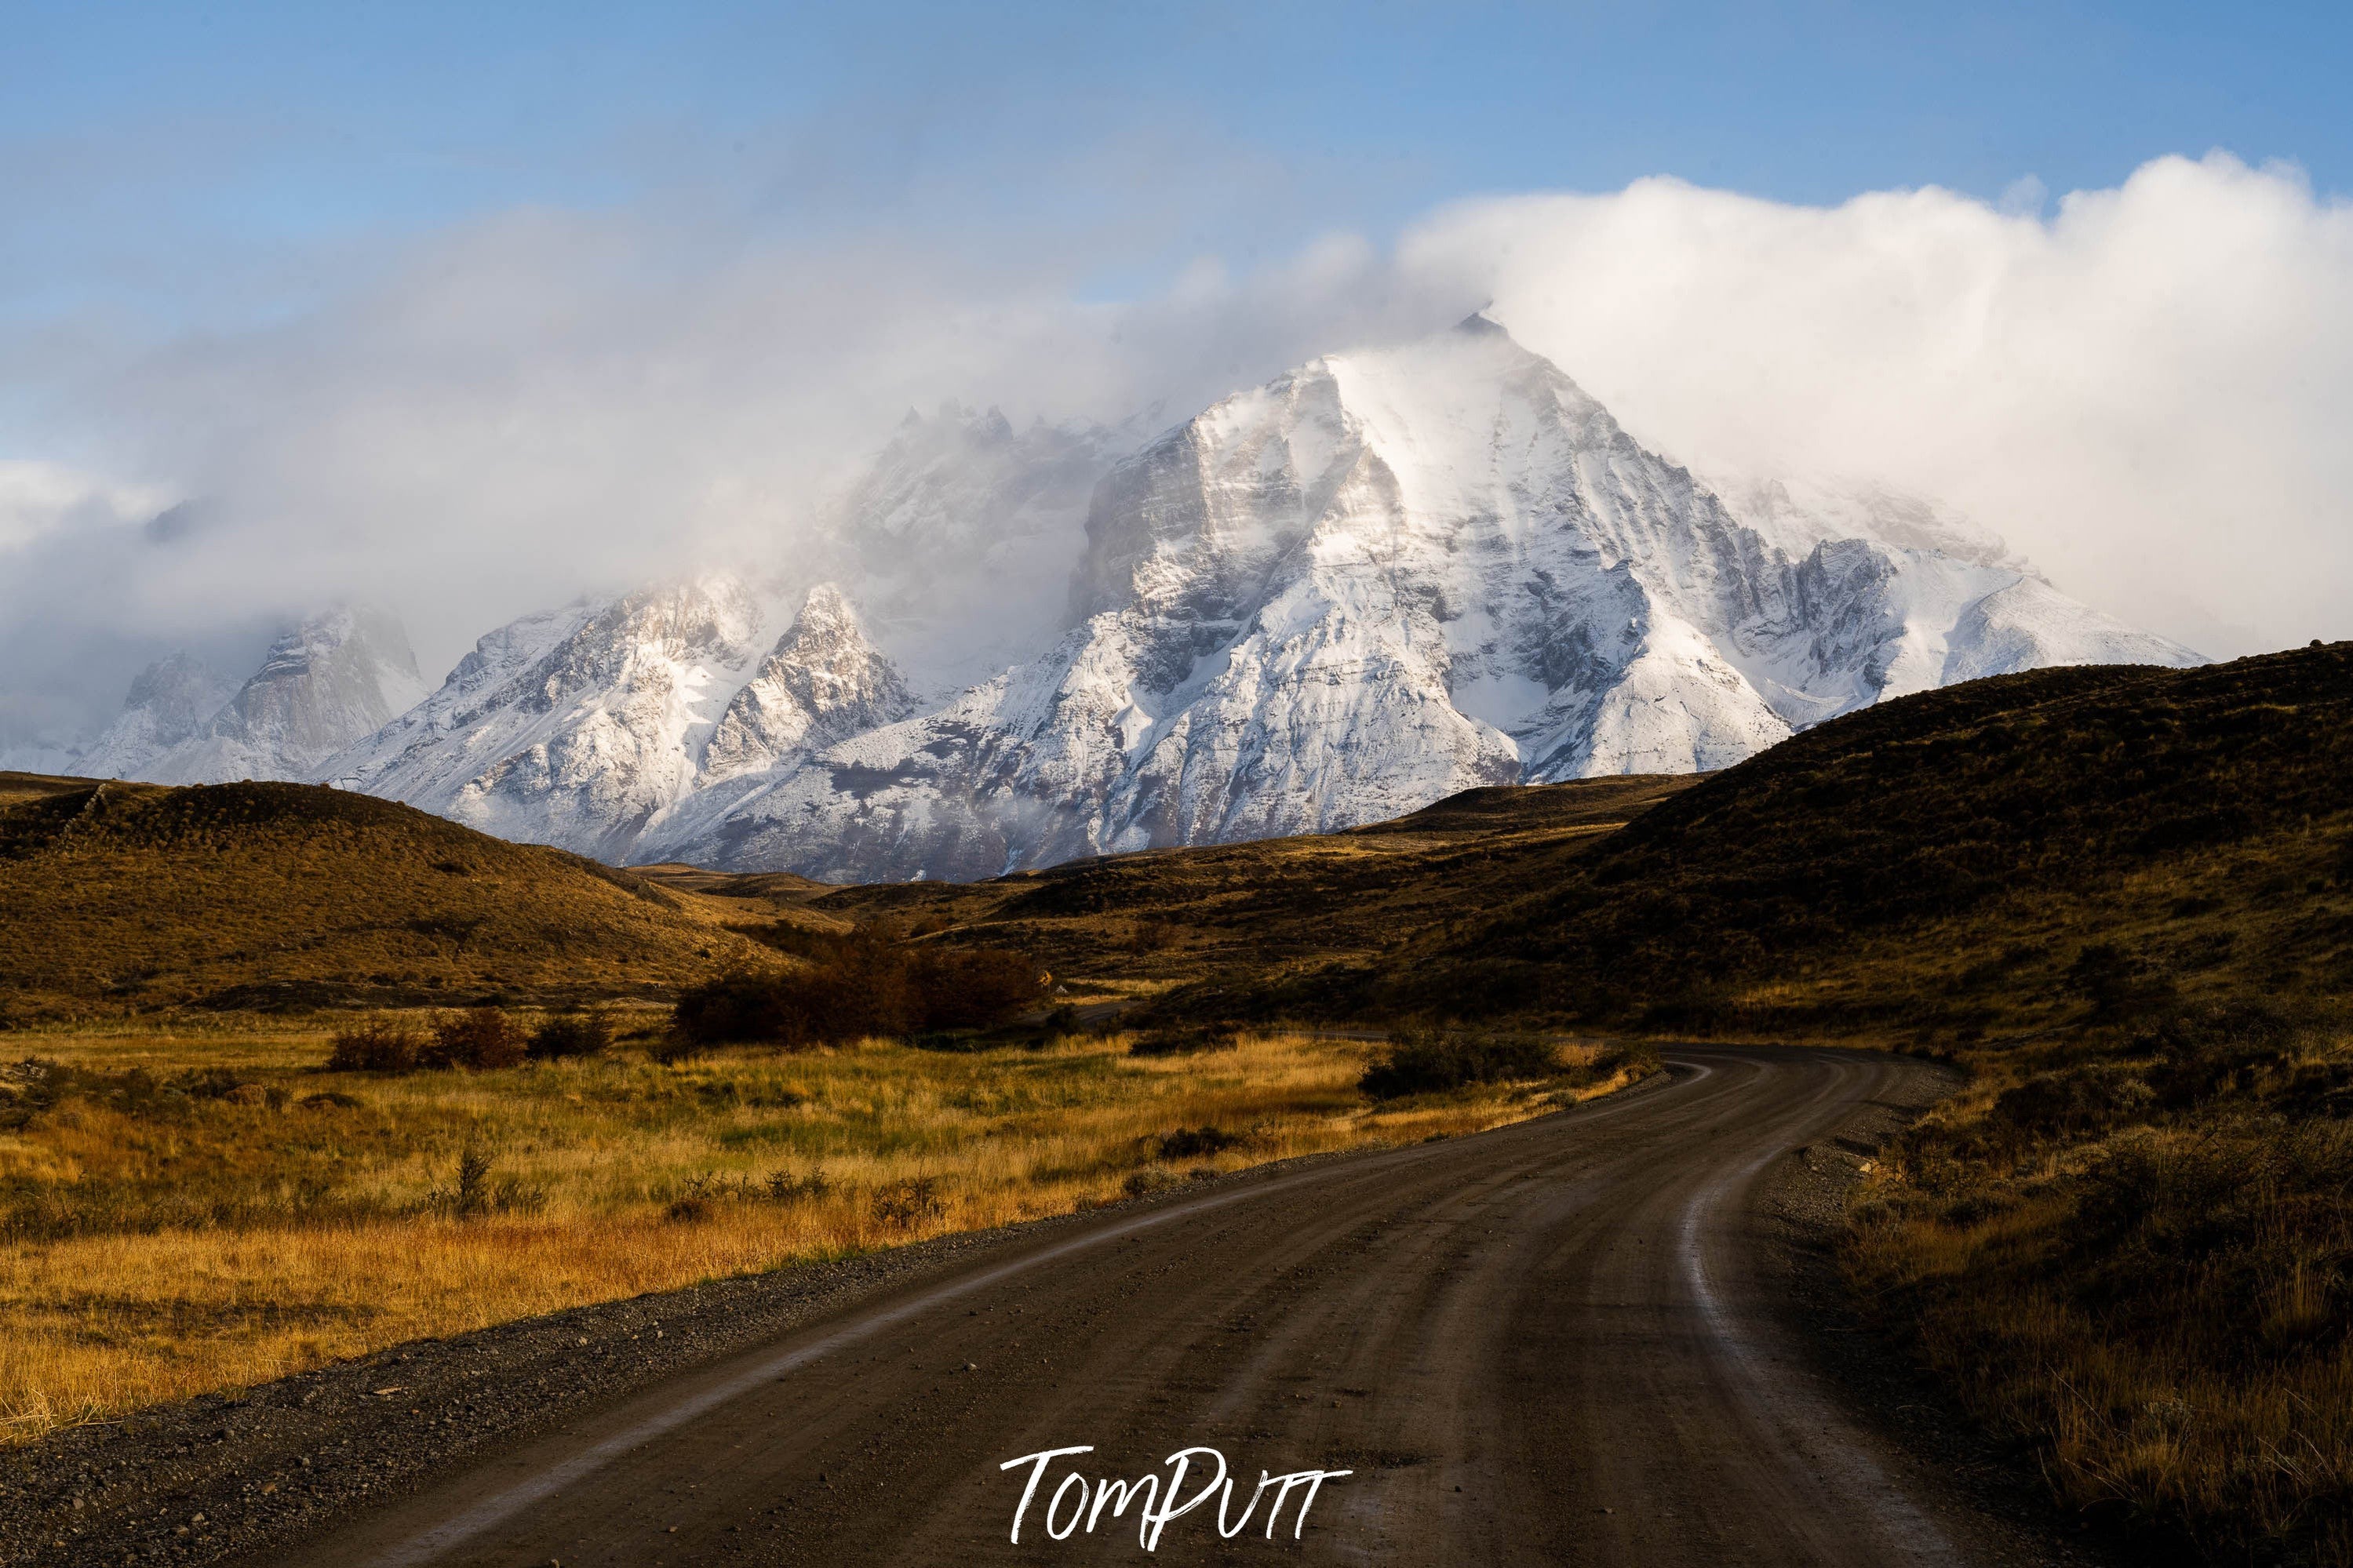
(336, 677)
(1384, 575)
(823, 682)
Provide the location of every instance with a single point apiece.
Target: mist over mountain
(1377, 579)
(324, 684)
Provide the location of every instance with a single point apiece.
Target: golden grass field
(192, 1243)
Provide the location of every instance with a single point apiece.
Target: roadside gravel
(223, 1475)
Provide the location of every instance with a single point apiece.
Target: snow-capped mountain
(1380, 578)
(1388, 577)
(575, 727)
(332, 681)
(173, 701)
(582, 727)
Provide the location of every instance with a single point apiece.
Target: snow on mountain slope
(328, 682)
(822, 684)
(583, 726)
(171, 701)
(573, 727)
(1384, 577)
(2029, 625)
(1379, 579)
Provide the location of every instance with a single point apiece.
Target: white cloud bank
(2149, 393)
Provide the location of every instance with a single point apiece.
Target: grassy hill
(118, 897)
(1991, 860)
(1224, 922)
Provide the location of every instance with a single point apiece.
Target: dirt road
(1555, 1342)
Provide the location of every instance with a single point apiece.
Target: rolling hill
(1996, 857)
(117, 897)
(1221, 923)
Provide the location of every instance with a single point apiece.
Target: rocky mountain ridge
(1379, 579)
(333, 680)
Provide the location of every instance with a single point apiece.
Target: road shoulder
(1929, 1443)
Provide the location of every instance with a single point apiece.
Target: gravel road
(1601, 1337)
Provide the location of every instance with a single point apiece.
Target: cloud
(42, 498)
(2146, 390)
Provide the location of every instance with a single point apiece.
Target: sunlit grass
(217, 1244)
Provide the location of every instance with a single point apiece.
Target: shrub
(573, 1032)
(968, 988)
(1430, 1062)
(475, 1193)
(1143, 1184)
(481, 1037)
(1195, 1143)
(1639, 1060)
(216, 1083)
(902, 1204)
(784, 1187)
(861, 984)
(375, 1045)
(735, 1008)
(1185, 1040)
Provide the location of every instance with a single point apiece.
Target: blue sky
(172, 161)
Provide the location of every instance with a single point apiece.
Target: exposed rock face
(330, 681)
(586, 726)
(823, 683)
(1379, 579)
(170, 703)
(575, 727)
(1388, 577)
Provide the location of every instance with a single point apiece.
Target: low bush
(1145, 1182)
(375, 1044)
(1640, 1059)
(572, 1033)
(1185, 1041)
(903, 1204)
(1195, 1143)
(867, 984)
(1433, 1061)
(785, 1188)
(479, 1037)
(476, 1194)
